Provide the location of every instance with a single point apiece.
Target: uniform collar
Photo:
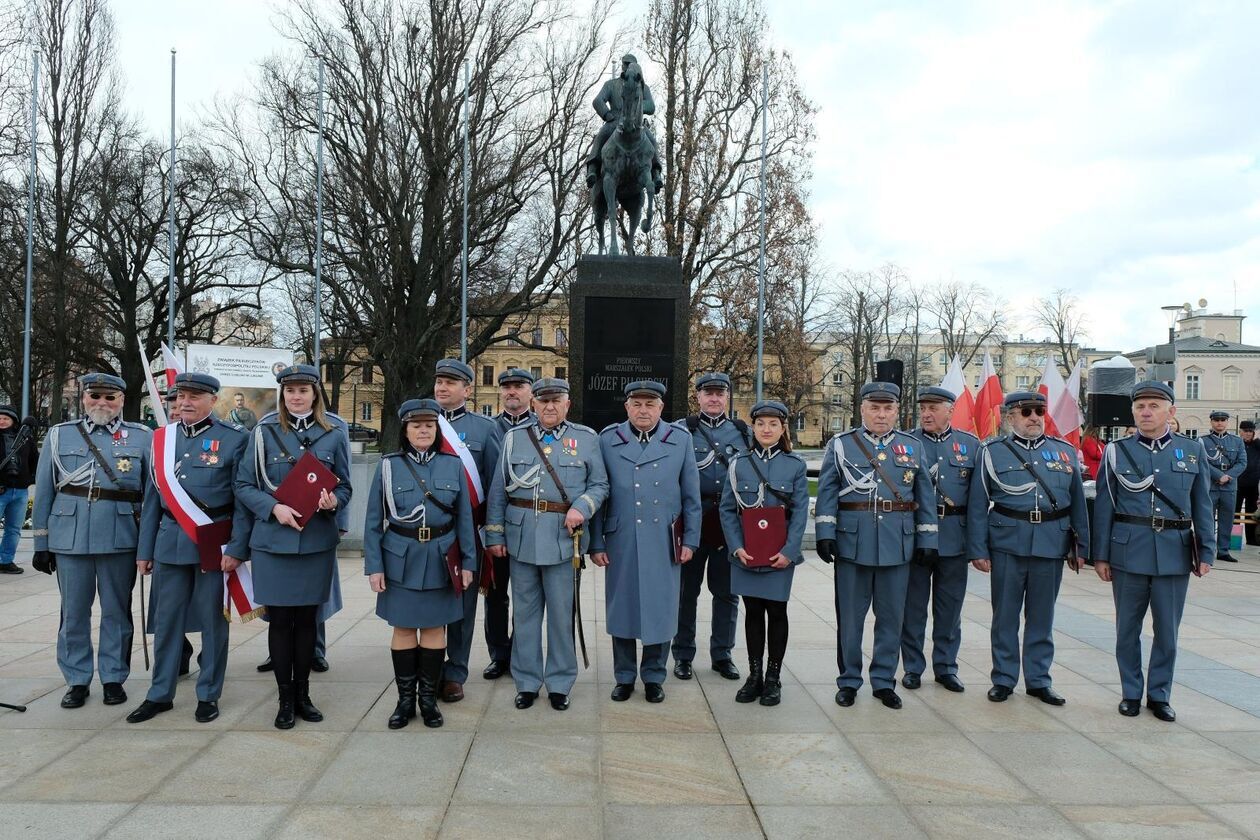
(712, 422)
(194, 429)
(112, 426)
(1155, 444)
(645, 437)
(880, 441)
(941, 437)
(766, 453)
(551, 434)
(455, 413)
(419, 457)
(515, 419)
(1220, 434)
(1028, 443)
(302, 422)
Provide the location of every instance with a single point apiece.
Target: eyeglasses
(1040, 411)
(108, 397)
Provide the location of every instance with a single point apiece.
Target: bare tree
(967, 317)
(1061, 316)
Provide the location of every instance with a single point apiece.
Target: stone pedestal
(628, 320)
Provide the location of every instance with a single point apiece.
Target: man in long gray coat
(650, 525)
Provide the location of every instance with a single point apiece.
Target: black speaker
(889, 370)
(1109, 410)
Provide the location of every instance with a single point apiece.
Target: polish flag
(1063, 413)
(964, 404)
(988, 401)
(172, 364)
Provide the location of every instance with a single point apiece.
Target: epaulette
(582, 428)
(131, 424)
(795, 455)
(608, 428)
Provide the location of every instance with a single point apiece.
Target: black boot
(430, 675)
(284, 715)
(772, 692)
(753, 686)
(405, 677)
(302, 700)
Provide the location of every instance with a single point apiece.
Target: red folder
(676, 536)
(453, 568)
(301, 487)
(210, 541)
(765, 533)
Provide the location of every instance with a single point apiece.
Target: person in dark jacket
(1249, 481)
(19, 456)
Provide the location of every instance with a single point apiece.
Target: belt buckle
(540, 505)
(886, 505)
(1034, 516)
(94, 494)
(940, 511)
(1157, 523)
(423, 534)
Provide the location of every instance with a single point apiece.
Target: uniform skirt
(292, 580)
(771, 584)
(421, 608)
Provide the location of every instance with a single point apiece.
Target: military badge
(883, 456)
(907, 477)
(210, 452)
(963, 473)
(570, 446)
(123, 465)
(120, 436)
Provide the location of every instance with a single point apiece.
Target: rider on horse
(608, 104)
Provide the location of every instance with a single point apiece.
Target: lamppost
(1164, 358)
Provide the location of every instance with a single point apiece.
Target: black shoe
(75, 697)
(951, 682)
(207, 710)
(265, 665)
(654, 692)
(405, 679)
(496, 669)
(319, 665)
(525, 699)
(11, 569)
(185, 658)
(682, 669)
(559, 702)
(727, 669)
(845, 696)
(302, 703)
(113, 694)
(888, 697)
(999, 693)
(753, 686)
(911, 681)
(1161, 710)
(1130, 708)
(621, 692)
(1047, 695)
(429, 667)
(284, 708)
(772, 689)
(148, 710)
(1227, 558)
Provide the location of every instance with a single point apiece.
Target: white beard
(102, 416)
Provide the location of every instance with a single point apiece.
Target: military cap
(934, 393)
(171, 394)
(645, 388)
(102, 382)
(1153, 388)
(203, 382)
(454, 369)
(769, 408)
(629, 58)
(415, 409)
(516, 375)
(1015, 399)
(881, 392)
(551, 387)
(295, 375)
(1219, 415)
(1247, 426)
(713, 379)
(9, 411)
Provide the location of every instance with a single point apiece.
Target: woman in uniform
(293, 559)
(769, 475)
(418, 507)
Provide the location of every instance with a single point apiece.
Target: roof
(1213, 346)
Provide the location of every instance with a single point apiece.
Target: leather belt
(213, 513)
(1155, 523)
(99, 493)
(950, 510)
(422, 534)
(880, 505)
(1033, 516)
(540, 506)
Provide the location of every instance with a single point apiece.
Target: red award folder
(454, 569)
(210, 541)
(301, 487)
(765, 533)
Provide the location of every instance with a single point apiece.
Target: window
(1192, 386)
(798, 422)
(942, 361)
(1021, 359)
(836, 400)
(562, 340)
(1021, 382)
(1194, 433)
(976, 384)
(487, 374)
(836, 424)
(562, 372)
(538, 335)
(837, 378)
(366, 373)
(536, 371)
(365, 412)
(1229, 385)
(487, 410)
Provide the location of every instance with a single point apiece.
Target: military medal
(120, 437)
(570, 446)
(210, 451)
(908, 477)
(883, 456)
(123, 465)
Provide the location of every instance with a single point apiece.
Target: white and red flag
(988, 412)
(964, 403)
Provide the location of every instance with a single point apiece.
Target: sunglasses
(1040, 411)
(108, 397)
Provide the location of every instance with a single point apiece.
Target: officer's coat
(951, 459)
(1226, 455)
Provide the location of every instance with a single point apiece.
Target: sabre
(144, 630)
(578, 563)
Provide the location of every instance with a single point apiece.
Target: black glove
(43, 561)
(826, 550)
(28, 421)
(926, 557)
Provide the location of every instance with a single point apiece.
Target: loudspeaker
(1109, 410)
(889, 370)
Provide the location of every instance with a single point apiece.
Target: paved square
(699, 765)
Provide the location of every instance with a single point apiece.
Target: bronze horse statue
(626, 163)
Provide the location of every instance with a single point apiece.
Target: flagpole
(170, 230)
(761, 250)
(463, 257)
(30, 242)
(319, 216)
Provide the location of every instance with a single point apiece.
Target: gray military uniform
(1225, 456)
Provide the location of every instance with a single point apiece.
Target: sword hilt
(577, 548)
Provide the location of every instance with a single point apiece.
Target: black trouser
(758, 612)
(498, 628)
(1248, 497)
(291, 642)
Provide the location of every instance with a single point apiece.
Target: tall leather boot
(753, 686)
(405, 677)
(302, 700)
(284, 714)
(430, 675)
(772, 692)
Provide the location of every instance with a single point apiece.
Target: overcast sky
(1106, 147)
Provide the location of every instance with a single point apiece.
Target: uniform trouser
(540, 590)
(1029, 585)
(725, 605)
(321, 640)
(459, 638)
(651, 668)
(82, 578)
(1166, 597)
(946, 582)
(1248, 498)
(498, 629)
(1223, 505)
(857, 587)
(186, 589)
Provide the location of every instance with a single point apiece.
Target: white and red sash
(238, 585)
